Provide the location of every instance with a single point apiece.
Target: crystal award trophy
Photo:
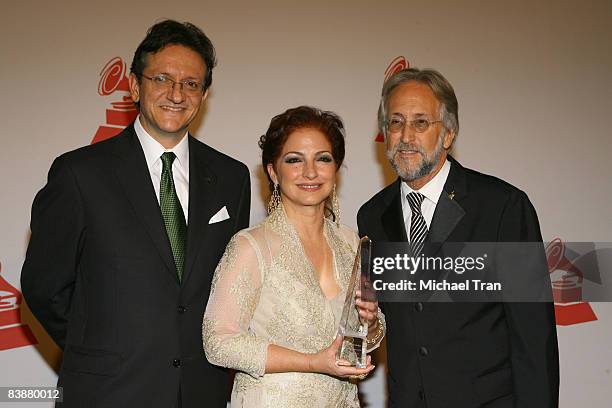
(352, 328)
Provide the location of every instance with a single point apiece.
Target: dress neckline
(280, 218)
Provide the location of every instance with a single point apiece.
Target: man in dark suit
(493, 355)
(126, 236)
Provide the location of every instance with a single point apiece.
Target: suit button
(176, 362)
(418, 307)
(182, 309)
(423, 351)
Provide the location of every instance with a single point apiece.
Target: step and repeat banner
(534, 85)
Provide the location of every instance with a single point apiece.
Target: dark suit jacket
(100, 276)
(467, 354)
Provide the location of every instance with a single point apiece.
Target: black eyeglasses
(165, 83)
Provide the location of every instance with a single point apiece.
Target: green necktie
(172, 212)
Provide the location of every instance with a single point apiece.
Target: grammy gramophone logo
(568, 268)
(114, 80)
(13, 333)
(396, 65)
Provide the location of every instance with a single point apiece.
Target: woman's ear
(272, 173)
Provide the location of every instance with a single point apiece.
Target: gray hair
(442, 89)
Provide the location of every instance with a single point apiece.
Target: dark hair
(171, 32)
(442, 89)
(302, 117)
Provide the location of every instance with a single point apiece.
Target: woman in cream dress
(279, 289)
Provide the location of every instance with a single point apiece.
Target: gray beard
(427, 165)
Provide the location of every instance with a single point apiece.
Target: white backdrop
(533, 81)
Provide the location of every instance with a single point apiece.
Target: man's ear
(205, 95)
(449, 138)
(272, 173)
(134, 87)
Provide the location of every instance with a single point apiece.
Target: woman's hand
(324, 362)
(368, 310)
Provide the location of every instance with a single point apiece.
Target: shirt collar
(153, 149)
(433, 189)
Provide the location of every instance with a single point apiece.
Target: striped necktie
(172, 212)
(418, 227)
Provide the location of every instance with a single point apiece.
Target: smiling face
(305, 169)
(416, 157)
(165, 113)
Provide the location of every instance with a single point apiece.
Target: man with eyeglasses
(494, 355)
(126, 236)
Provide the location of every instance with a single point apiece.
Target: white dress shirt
(180, 167)
(432, 191)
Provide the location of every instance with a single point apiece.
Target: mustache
(401, 146)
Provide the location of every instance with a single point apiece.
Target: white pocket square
(221, 215)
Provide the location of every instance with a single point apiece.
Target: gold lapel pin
(451, 195)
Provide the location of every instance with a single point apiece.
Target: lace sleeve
(235, 291)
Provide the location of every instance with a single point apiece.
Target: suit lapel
(392, 218)
(448, 211)
(135, 179)
(202, 186)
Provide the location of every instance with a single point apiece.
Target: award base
(353, 350)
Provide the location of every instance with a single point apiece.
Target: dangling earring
(335, 206)
(275, 199)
